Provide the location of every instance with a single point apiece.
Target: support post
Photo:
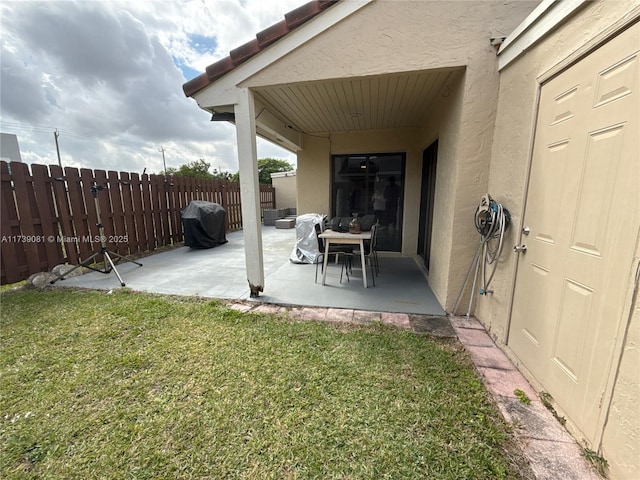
(245, 116)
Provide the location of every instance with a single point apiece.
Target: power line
(70, 133)
(56, 134)
(75, 134)
(164, 162)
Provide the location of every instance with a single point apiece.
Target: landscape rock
(41, 279)
(64, 270)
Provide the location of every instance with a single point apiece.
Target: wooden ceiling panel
(363, 103)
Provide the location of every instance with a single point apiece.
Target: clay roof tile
(266, 37)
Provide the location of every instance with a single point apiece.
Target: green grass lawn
(136, 386)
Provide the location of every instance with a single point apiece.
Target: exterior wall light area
(496, 42)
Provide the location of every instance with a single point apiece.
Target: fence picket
(70, 241)
(49, 222)
(130, 234)
(119, 232)
(160, 204)
(87, 180)
(136, 194)
(174, 211)
(149, 220)
(27, 213)
(79, 212)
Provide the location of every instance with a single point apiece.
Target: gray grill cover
(204, 224)
(306, 247)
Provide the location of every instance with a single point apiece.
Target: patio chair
(336, 250)
(346, 265)
(373, 247)
(370, 254)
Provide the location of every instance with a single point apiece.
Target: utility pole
(56, 134)
(163, 161)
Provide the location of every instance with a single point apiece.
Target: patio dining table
(345, 238)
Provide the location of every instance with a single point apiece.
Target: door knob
(520, 248)
(526, 231)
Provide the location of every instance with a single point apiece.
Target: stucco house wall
(621, 440)
(285, 184)
(414, 36)
(444, 127)
(314, 182)
(410, 36)
(511, 153)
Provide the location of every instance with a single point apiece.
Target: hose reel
(491, 221)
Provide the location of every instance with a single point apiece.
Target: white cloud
(109, 76)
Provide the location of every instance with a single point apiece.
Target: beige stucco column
(245, 113)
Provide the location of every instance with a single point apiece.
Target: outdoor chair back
(371, 253)
(336, 250)
(370, 256)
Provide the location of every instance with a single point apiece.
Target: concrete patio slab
(220, 273)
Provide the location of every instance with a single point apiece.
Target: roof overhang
(215, 90)
(285, 112)
(210, 89)
(544, 18)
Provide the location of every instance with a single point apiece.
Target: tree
(198, 169)
(220, 175)
(267, 166)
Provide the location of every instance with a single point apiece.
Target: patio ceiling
(400, 100)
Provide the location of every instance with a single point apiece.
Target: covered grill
(306, 248)
(204, 224)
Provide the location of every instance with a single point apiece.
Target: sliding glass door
(371, 184)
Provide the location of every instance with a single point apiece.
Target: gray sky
(108, 76)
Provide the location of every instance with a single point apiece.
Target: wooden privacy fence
(48, 216)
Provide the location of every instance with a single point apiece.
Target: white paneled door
(583, 215)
